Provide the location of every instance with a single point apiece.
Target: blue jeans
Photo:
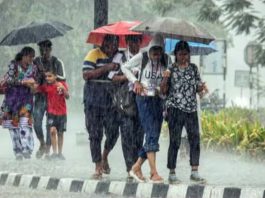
(151, 118)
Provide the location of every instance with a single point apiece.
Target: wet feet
(155, 178)
(98, 173)
(41, 151)
(195, 177)
(105, 167)
(136, 173)
(172, 179)
(136, 176)
(19, 157)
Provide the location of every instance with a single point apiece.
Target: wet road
(218, 168)
(12, 192)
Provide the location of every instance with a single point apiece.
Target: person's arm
(95, 73)
(164, 85)
(62, 87)
(60, 70)
(119, 78)
(89, 67)
(37, 88)
(134, 63)
(127, 69)
(201, 87)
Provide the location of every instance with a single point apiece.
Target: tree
(100, 13)
(238, 15)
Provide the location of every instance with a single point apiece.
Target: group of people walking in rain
(126, 92)
(33, 87)
(130, 92)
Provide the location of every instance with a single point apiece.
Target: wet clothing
(132, 136)
(151, 117)
(150, 105)
(98, 121)
(39, 110)
(22, 140)
(57, 121)
(132, 133)
(40, 104)
(177, 120)
(183, 88)
(56, 104)
(99, 114)
(53, 64)
(182, 112)
(18, 107)
(97, 91)
(18, 98)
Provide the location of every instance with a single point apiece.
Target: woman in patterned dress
(17, 106)
(183, 85)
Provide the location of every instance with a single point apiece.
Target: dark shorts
(57, 121)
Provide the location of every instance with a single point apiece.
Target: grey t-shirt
(53, 63)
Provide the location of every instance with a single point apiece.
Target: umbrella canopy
(195, 48)
(35, 32)
(173, 28)
(120, 28)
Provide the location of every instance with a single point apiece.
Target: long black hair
(181, 45)
(18, 57)
(27, 51)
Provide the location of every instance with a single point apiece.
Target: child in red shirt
(56, 93)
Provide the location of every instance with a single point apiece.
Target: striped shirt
(96, 59)
(97, 93)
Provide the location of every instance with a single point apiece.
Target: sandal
(137, 177)
(156, 179)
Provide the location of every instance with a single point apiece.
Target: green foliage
(238, 15)
(234, 129)
(209, 12)
(236, 5)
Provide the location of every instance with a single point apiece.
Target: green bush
(234, 129)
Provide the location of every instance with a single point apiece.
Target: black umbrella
(35, 32)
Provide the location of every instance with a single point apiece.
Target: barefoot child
(56, 93)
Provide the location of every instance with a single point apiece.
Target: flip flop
(157, 181)
(132, 174)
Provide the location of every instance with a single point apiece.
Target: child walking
(56, 93)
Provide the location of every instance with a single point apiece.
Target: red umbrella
(121, 29)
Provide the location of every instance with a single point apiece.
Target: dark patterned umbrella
(35, 32)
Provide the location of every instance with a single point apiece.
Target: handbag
(124, 100)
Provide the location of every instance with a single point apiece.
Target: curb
(122, 188)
